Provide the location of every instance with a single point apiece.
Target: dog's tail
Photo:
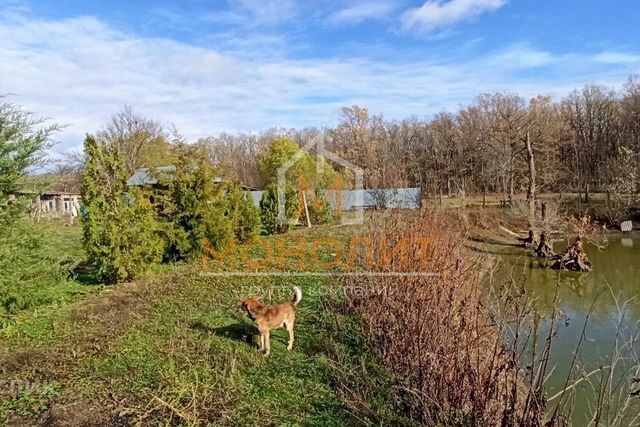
(297, 295)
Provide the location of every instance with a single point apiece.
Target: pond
(611, 294)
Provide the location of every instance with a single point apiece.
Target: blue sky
(246, 65)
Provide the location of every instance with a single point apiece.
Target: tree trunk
(511, 179)
(306, 208)
(484, 196)
(586, 193)
(531, 190)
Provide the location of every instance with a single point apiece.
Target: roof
(149, 176)
(144, 176)
(50, 184)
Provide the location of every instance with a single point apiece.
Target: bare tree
(141, 141)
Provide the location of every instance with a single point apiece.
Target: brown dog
(269, 317)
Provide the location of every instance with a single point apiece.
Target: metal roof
(149, 176)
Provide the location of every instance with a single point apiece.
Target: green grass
(176, 349)
(38, 261)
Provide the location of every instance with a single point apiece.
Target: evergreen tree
(243, 212)
(193, 207)
(269, 209)
(23, 141)
(121, 234)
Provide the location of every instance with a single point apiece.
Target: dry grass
(445, 345)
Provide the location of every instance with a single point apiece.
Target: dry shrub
(439, 336)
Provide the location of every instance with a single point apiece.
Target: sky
(209, 67)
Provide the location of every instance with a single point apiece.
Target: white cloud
(80, 71)
(361, 12)
(617, 58)
(435, 14)
(268, 11)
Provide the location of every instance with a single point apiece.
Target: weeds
(442, 340)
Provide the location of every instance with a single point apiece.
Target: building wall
(58, 205)
(389, 198)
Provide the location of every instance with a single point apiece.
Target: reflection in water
(614, 281)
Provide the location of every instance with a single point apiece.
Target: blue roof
(149, 176)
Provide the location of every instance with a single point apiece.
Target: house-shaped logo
(321, 154)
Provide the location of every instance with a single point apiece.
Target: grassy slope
(177, 349)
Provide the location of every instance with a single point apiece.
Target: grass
(38, 261)
(175, 349)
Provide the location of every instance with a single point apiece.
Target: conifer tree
(121, 234)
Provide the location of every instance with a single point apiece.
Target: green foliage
(33, 268)
(280, 151)
(302, 175)
(23, 141)
(319, 211)
(244, 214)
(193, 208)
(36, 260)
(269, 209)
(121, 233)
(22, 144)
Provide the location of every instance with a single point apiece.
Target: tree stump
(544, 250)
(527, 241)
(573, 258)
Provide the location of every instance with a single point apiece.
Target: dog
(267, 317)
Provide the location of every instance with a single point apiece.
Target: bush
(319, 211)
(269, 209)
(34, 266)
(431, 331)
(193, 208)
(121, 235)
(244, 213)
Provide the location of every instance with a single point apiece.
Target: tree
(236, 156)
(121, 235)
(193, 208)
(269, 209)
(244, 214)
(30, 266)
(141, 142)
(593, 119)
(280, 151)
(508, 124)
(24, 139)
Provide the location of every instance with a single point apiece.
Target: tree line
(590, 138)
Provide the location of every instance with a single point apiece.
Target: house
(56, 204)
(52, 195)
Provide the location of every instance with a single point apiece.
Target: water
(615, 279)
